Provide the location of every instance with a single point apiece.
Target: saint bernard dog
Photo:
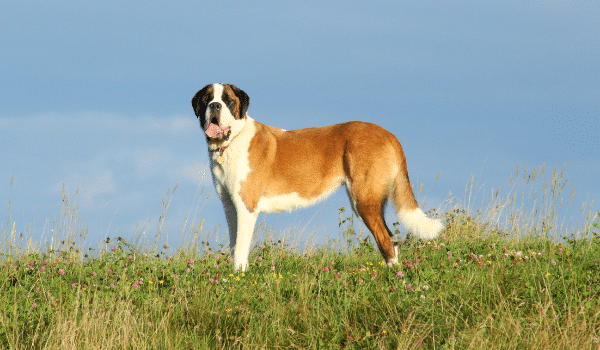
(259, 168)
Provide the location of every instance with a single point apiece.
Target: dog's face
(221, 109)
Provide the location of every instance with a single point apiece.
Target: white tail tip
(419, 224)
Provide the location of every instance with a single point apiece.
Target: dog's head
(221, 109)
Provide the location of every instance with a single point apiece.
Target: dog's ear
(244, 100)
(199, 102)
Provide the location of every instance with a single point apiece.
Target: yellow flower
(280, 276)
(237, 278)
(489, 262)
(230, 275)
(243, 274)
(547, 274)
(150, 281)
(227, 310)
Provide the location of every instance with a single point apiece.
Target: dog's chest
(233, 169)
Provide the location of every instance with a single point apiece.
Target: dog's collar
(222, 149)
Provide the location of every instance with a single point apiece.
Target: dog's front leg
(245, 221)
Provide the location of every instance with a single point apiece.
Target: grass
(480, 286)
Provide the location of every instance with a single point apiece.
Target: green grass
(475, 287)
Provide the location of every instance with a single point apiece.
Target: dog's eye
(229, 101)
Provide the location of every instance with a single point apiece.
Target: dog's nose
(215, 106)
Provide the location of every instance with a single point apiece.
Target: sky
(95, 100)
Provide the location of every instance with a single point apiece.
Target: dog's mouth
(217, 133)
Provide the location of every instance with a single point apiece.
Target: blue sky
(96, 96)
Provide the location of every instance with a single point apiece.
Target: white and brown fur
(266, 169)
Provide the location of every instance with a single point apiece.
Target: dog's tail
(409, 213)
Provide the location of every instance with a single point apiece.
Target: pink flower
(191, 262)
(553, 262)
(45, 262)
(326, 269)
(443, 236)
(217, 256)
(149, 324)
(272, 267)
(112, 285)
(260, 258)
(42, 269)
(409, 287)
(360, 280)
(61, 272)
(135, 286)
(393, 289)
(115, 249)
(560, 250)
(229, 259)
(399, 274)
(216, 267)
(34, 304)
(187, 270)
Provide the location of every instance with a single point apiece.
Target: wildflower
(191, 262)
(45, 262)
(217, 256)
(489, 262)
(216, 267)
(399, 273)
(208, 252)
(112, 285)
(187, 270)
(443, 236)
(547, 274)
(260, 258)
(326, 269)
(409, 287)
(553, 262)
(61, 272)
(42, 269)
(360, 280)
(272, 267)
(230, 259)
(393, 289)
(338, 275)
(94, 274)
(425, 287)
(149, 324)
(422, 296)
(165, 246)
(34, 304)
(74, 285)
(560, 250)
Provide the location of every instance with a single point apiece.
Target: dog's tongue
(216, 132)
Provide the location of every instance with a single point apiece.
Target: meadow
(509, 274)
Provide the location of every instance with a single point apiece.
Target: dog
(259, 168)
